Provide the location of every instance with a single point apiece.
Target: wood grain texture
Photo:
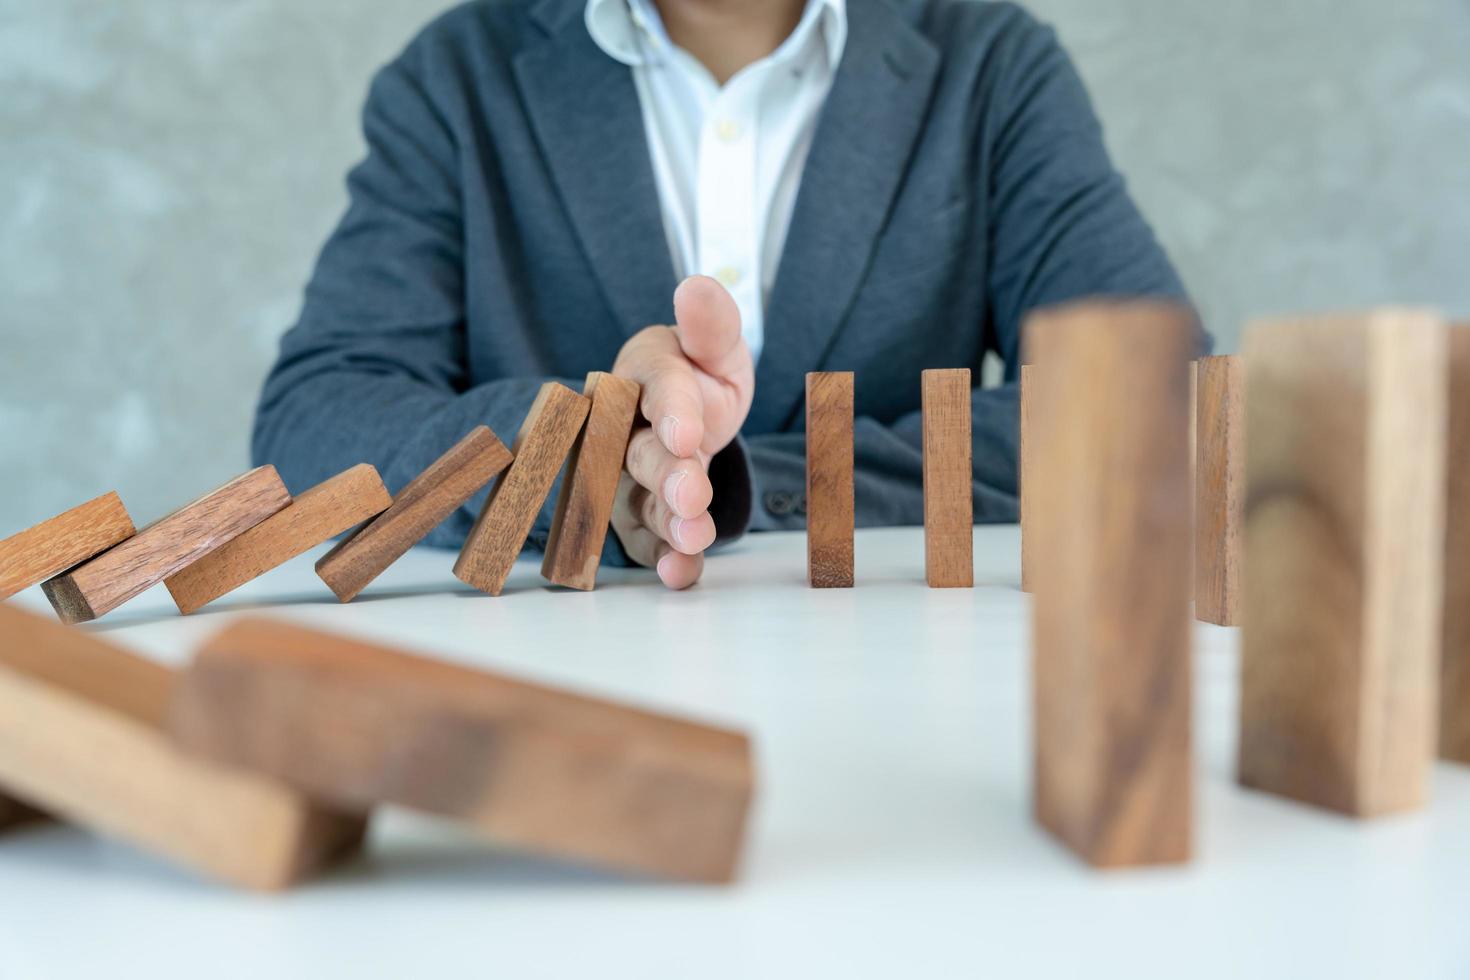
(1030, 393)
(584, 508)
(166, 546)
(829, 479)
(1111, 636)
(541, 446)
(63, 542)
(418, 508)
(1219, 489)
(949, 517)
(1454, 729)
(1344, 555)
(539, 769)
(82, 734)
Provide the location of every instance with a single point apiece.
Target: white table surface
(892, 835)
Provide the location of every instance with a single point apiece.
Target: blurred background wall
(168, 169)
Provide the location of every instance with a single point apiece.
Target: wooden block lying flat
(1454, 728)
(419, 508)
(166, 546)
(540, 448)
(579, 528)
(551, 772)
(63, 542)
(829, 479)
(1344, 552)
(1030, 392)
(82, 734)
(1219, 490)
(949, 516)
(321, 513)
(1111, 637)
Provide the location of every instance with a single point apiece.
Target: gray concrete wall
(168, 169)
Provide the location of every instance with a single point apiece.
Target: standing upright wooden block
(579, 527)
(63, 542)
(166, 546)
(949, 517)
(1454, 727)
(1344, 551)
(540, 448)
(1111, 638)
(829, 479)
(82, 735)
(1219, 489)
(552, 772)
(324, 511)
(418, 508)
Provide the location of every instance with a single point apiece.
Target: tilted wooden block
(63, 542)
(82, 735)
(949, 516)
(418, 508)
(1219, 489)
(1344, 555)
(536, 768)
(540, 448)
(323, 512)
(829, 479)
(1454, 728)
(1111, 637)
(584, 508)
(1030, 392)
(166, 546)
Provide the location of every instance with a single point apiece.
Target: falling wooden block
(1454, 728)
(579, 527)
(321, 513)
(166, 546)
(829, 479)
(949, 516)
(1111, 636)
(419, 508)
(1030, 392)
(1344, 551)
(83, 735)
(551, 772)
(63, 542)
(1219, 489)
(540, 448)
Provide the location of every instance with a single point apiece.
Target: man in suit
(879, 186)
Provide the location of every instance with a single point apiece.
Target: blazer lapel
(860, 152)
(584, 110)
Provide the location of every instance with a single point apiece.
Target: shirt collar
(632, 32)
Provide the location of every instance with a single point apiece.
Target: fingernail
(676, 529)
(663, 573)
(671, 485)
(667, 430)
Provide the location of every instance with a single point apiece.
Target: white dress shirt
(727, 161)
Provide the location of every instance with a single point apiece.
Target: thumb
(707, 323)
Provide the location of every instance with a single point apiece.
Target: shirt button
(728, 130)
(779, 503)
(728, 275)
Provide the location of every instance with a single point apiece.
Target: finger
(679, 571)
(671, 399)
(683, 484)
(640, 544)
(689, 535)
(707, 324)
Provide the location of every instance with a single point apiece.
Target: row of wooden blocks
(261, 762)
(91, 559)
(1353, 606)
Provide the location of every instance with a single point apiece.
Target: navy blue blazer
(504, 230)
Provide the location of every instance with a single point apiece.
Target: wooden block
(584, 508)
(1219, 489)
(539, 769)
(321, 513)
(829, 479)
(1030, 391)
(82, 734)
(166, 546)
(1454, 730)
(1111, 636)
(540, 448)
(1344, 551)
(63, 542)
(949, 517)
(418, 508)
